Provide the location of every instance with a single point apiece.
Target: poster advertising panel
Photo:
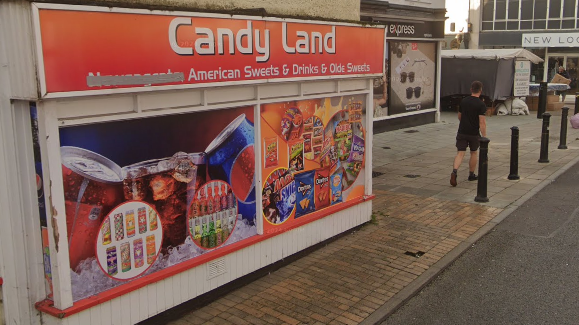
(412, 76)
(313, 157)
(94, 51)
(145, 194)
(380, 91)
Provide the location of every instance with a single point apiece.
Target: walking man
(471, 114)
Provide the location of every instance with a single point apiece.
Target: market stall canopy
(495, 68)
(492, 54)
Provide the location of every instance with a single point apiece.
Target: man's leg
(472, 162)
(455, 166)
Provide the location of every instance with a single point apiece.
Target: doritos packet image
(307, 142)
(336, 187)
(357, 151)
(322, 188)
(305, 193)
(270, 157)
(296, 156)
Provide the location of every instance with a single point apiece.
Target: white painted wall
(434, 4)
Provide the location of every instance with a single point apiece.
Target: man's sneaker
(472, 177)
(453, 179)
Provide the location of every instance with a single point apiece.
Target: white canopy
(491, 54)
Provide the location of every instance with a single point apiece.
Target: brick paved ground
(346, 281)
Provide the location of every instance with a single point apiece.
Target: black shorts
(471, 141)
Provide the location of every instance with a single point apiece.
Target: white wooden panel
(353, 84)
(193, 285)
(134, 298)
(106, 313)
(319, 87)
(117, 311)
(230, 95)
(152, 297)
(279, 90)
(85, 107)
(183, 286)
(169, 99)
(169, 291)
(95, 316)
(125, 303)
(161, 302)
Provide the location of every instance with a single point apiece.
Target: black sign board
(423, 29)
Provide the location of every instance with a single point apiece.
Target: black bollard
(576, 104)
(483, 168)
(544, 158)
(514, 174)
(542, 99)
(563, 137)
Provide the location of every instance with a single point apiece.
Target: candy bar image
(112, 260)
(126, 257)
(106, 231)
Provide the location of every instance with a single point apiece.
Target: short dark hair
(476, 87)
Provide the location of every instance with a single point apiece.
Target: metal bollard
(563, 137)
(542, 99)
(483, 168)
(576, 104)
(514, 173)
(544, 157)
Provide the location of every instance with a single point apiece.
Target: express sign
(88, 51)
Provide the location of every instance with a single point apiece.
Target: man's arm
(483, 125)
(459, 115)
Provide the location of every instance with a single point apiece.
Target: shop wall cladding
(329, 9)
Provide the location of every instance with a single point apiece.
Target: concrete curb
(429, 275)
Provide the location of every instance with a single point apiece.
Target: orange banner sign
(94, 51)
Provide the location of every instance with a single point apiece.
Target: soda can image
(119, 229)
(231, 158)
(112, 260)
(142, 216)
(152, 220)
(126, 257)
(130, 220)
(138, 252)
(151, 249)
(107, 231)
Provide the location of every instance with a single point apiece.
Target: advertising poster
(380, 92)
(522, 77)
(412, 76)
(314, 153)
(142, 195)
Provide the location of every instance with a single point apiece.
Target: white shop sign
(522, 75)
(551, 40)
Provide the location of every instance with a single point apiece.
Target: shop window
(526, 9)
(526, 25)
(500, 9)
(555, 9)
(569, 8)
(540, 9)
(500, 25)
(487, 12)
(554, 24)
(540, 24)
(513, 25)
(513, 9)
(568, 24)
(487, 25)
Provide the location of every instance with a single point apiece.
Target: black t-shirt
(470, 108)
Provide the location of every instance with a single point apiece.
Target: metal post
(542, 99)
(563, 137)
(576, 104)
(483, 167)
(514, 174)
(544, 158)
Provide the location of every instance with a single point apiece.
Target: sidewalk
(420, 225)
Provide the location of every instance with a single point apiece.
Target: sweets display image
(331, 146)
(123, 257)
(305, 193)
(212, 215)
(278, 196)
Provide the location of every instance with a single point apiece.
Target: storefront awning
(491, 54)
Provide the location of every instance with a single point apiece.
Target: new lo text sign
(94, 51)
(551, 40)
